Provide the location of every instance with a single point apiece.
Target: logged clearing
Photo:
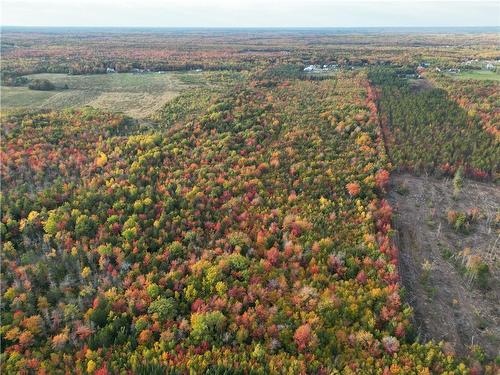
(137, 95)
(451, 276)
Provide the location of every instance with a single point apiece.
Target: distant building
(318, 68)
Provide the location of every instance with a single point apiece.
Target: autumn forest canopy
(215, 202)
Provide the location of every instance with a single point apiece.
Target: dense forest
(427, 130)
(241, 229)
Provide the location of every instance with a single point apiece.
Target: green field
(137, 95)
(483, 75)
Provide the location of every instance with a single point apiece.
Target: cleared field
(137, 95)
(14, 97)
(483, 75)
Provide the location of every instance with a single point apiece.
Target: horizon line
(253, 27)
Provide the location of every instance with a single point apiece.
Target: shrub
(41, 85)
(478, 270)
(463, 221)
(458, 181)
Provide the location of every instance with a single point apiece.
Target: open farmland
(482, 75)
(137, 95)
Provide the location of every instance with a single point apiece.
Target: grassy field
(137, 95)
(483, 75)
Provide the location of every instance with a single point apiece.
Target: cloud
(240, 13)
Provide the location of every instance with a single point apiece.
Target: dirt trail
(449, 304)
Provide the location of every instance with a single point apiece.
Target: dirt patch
(421, 84)
(452, 301)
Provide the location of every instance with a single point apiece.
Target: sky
(250, 13)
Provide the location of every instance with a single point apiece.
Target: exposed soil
(450, 302)
(422, 84)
